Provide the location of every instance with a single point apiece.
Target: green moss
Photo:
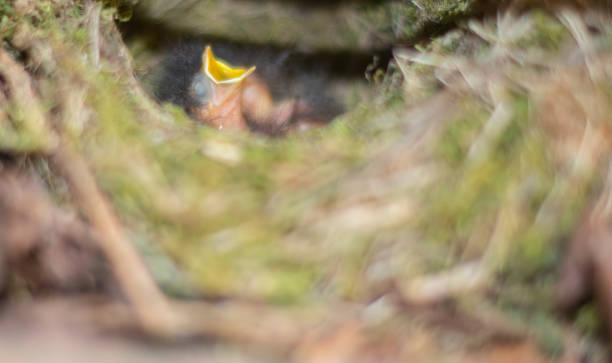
(588, 320)
(81, 36)
(547, 33)
(480, 183)
(549, 335)
(7, 20)
(459, 136)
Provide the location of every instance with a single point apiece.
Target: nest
(450, 191)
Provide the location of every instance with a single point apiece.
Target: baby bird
(217, 93)
(230, 97)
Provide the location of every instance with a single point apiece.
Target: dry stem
(144, 296)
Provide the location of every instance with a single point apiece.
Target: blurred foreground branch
(128, 268)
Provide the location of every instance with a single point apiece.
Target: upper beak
(220, 72)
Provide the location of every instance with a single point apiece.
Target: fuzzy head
(217, 91)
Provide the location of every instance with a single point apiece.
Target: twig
(112, 43)
(237, 321)
(434, 288)
(495, 125)
(93, 13)
(469, 277)
(576, 26)
(147, 300)
(32, 118)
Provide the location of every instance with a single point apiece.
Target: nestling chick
(216, 92)
(228, 97)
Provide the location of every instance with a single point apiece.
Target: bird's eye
(201, 89)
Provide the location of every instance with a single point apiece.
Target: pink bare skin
(252, 99)
(224, 110)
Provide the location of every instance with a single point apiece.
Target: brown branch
(143, 294)
(145, 298)
(279, 328)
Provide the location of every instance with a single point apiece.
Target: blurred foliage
(456, 160)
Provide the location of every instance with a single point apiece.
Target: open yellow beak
(220, 72)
